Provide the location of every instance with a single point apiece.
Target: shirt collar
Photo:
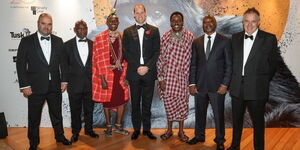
(77, 38)
(40, 35)
(212, 35)
(253, 34)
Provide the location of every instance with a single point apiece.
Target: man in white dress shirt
(141, 43)
(77, 59)
(40, 79)
(255, 56)
(210, 75)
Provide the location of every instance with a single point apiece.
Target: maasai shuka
(173, 67)
(101, 66)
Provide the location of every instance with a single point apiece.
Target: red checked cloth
(101, 66)
(173, 66)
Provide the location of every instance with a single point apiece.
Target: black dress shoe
(64, 141)
(220, 146)
(149, 134)
(196, 140)
(33, 147)
(74, 138)
(233, 148)
(92, 134)
(135, 135)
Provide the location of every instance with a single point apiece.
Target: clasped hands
(142, 70)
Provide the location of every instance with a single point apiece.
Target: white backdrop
(17, 15)
(18, 19)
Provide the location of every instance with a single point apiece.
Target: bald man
(40, 79)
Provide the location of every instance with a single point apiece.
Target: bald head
(45, 24)
(44, 15)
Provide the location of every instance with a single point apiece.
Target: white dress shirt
(212, 39)
(83, 49)
(46, 48)
(248, 43)
(141, 37)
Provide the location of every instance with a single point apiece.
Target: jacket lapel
(256, 44)
(53, 48)
(90, 45)
(134, 33)
(201, 48)
(135, 36)
(76, 52)
(147, 33)
(39, 49)
(240, 50)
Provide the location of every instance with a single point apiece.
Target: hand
(222, 89)
(118, 65)
(162, 85)
(125, 82)
(63, 87)
(193, 90)
(142, 70)
(103, 82)
(26, 92)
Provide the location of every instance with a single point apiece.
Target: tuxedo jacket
(209, 74)
(78, 75)
(131, 51)
(32, 67)
(260, 66)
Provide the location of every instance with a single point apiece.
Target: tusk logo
(18, 35)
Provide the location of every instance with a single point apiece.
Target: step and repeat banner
(19, 19)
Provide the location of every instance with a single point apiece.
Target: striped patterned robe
(173, 66)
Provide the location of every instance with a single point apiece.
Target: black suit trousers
(141, 92)
(202, 99)
(78, 102)
(35, 107)
(256, 109)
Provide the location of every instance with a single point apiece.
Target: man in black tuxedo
(141, 44)
(210, 74)
(77, 58)
(255, 56)
(40, 79)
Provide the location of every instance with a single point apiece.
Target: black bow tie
(45, 38)
(248, 36)
(80, 40)
(142, 26)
